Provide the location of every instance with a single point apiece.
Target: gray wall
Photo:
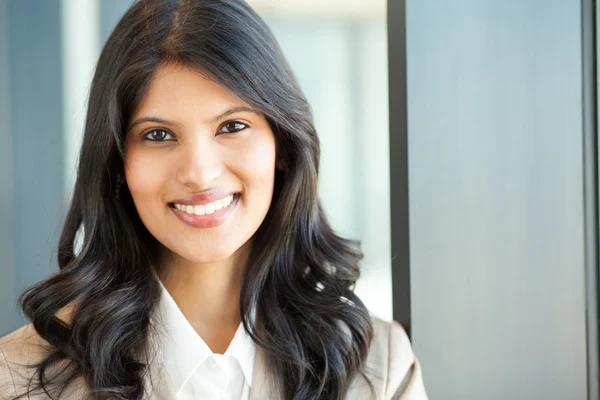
(496, 198)
(111, 12)
(7, 278)
(33, 181)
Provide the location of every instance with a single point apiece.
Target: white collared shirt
(195, 371)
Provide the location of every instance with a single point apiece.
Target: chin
(204, 251)
(206, 257)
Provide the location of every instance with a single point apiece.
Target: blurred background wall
(496, 174)
(7, 279)
(32, 151)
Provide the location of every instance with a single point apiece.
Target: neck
(207, 294)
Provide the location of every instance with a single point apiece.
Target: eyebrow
(217, 118)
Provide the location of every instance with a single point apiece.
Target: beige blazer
(391, 366)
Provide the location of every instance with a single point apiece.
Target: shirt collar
(183, 350)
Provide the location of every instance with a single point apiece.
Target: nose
(199, 164)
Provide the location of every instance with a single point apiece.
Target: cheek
(144, 176)
(259, 166)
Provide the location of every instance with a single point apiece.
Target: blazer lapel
(264, 385)
(162, 388)
(157, 379)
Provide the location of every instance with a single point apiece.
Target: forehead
(180, 90)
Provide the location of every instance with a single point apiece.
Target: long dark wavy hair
(315, 341)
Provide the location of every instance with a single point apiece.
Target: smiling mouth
(206, 209)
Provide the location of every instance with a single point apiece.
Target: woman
(206, 267)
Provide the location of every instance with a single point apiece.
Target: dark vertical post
(399, 212)
(590, 176)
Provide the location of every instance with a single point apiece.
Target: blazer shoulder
(7, 382)
(24, 345)
(19, 349)
(392, 354)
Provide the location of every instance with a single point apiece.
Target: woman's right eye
(158, 135)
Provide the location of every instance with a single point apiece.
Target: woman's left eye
(233, 126)
(158, 135)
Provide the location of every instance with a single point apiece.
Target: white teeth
(205, 209)
(209, 208)
(199, 210)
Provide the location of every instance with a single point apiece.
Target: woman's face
(199, 164)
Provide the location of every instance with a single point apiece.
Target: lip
(206, 221)
(200, 199)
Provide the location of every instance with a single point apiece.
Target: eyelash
(146, 136)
